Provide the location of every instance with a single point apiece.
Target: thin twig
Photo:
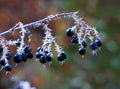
(40, 22)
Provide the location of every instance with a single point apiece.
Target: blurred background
(91, 72)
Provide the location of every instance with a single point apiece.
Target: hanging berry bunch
(44, 53)
(6, 55)
(79, 34)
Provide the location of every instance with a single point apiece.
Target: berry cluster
(44, 53)
(18, 57)
(4, 59)
(80, 38)
(47, 56)
(79, 34)
(23, 56)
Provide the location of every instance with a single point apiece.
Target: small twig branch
(39, 22)
(79, 34)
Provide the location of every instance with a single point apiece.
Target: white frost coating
(20, 49)
(10, 42)
(85, 30)
(57, 47)
(5, 50)
(49, 40)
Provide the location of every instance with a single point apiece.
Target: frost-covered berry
(74, 39)
(24, 58)
(82, 51)
(8, 67)
(61, 56)
(1, 49)
(38, 55)
(93, 45)
(17, 58)
(70, 32)
(46, 51)
(29, 55)
(84, 43)
(49, 57)
(18, 42)
(43, 59)
(8, 55)
(99, 42)
(2, 61)
(38, 49)
(27, 49)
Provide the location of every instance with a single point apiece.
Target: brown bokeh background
(91, 72)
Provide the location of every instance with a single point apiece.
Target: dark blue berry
(93, 45)
(2, 61)
(24, 58)
(61, 56)
(8, 67)
(70, 32)
(99, 42)
(49, 57)
(18, 42)
(38, 55)
(74, 39)
(1, 49)
(8, 55)
(17, 58)
(46, 51)
(82, 51)
(38, 49)
(29, 55)
(27, 49)
(43, 59)
(84, 43)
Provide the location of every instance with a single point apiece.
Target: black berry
(49, 57)
(74, 39)
(62, 56)
(1, 49)
(82, 51)
(8, 67)
(46, 51)
(27, 49)
(24, 58)
(84, 43)
(38, 49)
(99, 42)
(38, 55)
(17, 58)
(18, 42)
(2, 61)
(70, 32)
(93, 45)
(43, 59)
(8, 55)
(29, 55)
